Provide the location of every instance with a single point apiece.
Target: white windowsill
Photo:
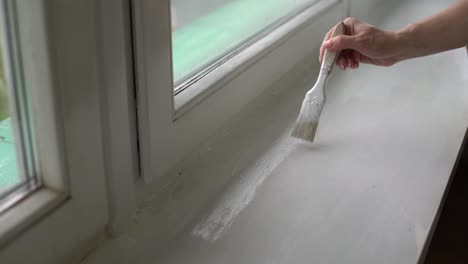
(369, 189)
(27, 212)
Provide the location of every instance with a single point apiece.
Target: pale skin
(364, 43)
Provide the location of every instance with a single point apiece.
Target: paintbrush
(307, 122)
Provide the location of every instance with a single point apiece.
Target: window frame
(17, 217)
(20, 116)
(172, 126)
(200, 72)
(73, 173)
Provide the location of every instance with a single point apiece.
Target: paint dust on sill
(239, 195)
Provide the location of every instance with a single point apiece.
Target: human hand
(362, 43)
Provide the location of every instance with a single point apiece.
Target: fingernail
(328, 43)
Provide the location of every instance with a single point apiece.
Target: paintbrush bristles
(305, 131)
(307, 122)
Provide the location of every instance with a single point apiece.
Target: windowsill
(196, 89)
(27, 212)
(368, 189)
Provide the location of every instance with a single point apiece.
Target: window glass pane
(206, 30)
(18, 174)
(9, 176)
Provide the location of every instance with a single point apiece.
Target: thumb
(340, 43)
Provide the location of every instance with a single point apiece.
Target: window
(204, 31)
(18, 171)
(54, 120)
(220, 56)
(77, 61)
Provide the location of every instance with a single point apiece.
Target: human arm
(364, 43)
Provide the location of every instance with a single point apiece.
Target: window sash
(202, 70)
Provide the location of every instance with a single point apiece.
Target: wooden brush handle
(330, 56)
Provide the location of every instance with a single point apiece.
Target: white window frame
(58, 223)
(88, 126)
(171, 126)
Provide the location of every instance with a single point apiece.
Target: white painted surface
(240, 194)
(367, 191)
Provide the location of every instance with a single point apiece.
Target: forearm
(440, 32)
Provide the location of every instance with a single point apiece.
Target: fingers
(340, 43)
(349, 25)
(341, 62)
(322, 49)
(348, 59)
(346, 44)
(356, 58)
